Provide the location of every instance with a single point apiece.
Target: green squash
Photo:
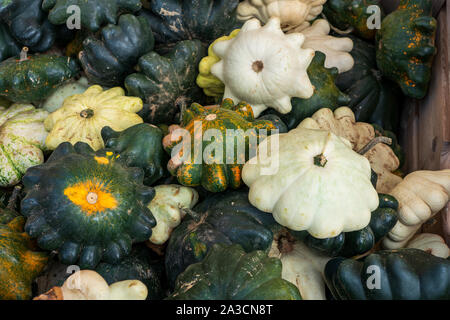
(226, 218)
(20, 264)
(94, 14)
(139, 146)
(405, 274)
(215, 171)
(352, 14)
(167, 83)
(108, 59)
(406, 46)
(8, 46)
(139, 265)
(229, 273)
(35, 78)
(349, 244)
(326, 94)
(204, 20)
(373, 98)
(86, 206)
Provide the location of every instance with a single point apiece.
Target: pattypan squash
(431, 243)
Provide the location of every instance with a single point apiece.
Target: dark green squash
(86, 206)
(226, 218)
(406, 46)
(35, 78)
(139, 146)
(373, 98)
(229, 273)
(108, 59)
(346, 14)
(204, 20)
(167, 83)
(326, 94)
(94, 14)
(404, 274)
(8, 46)
(349, 244)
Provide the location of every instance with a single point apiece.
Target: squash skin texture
(20, 263)
(36, 78)
(166, 83)
(86, 205)
(109, 59)
(226, 173)
(405, 274)
(95, 109)
(229, 273)
(8, 46)
(139, 146)
(94, 14)
(406, 46)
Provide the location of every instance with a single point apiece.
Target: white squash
(56, 99)
(318, 184)
(264, 67)
(431, 243)
(167, 208)
(343, 123)
(421, 195)
(336, 50)
(293, 14)
(22, 138)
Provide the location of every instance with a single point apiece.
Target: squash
(421, 195)
(313, 166)
(139, 146)
(373, 98)
(109, 58)
(325, 93)
(211, 85)
(35, 78)
(167, 82)
(382, 158)
(359, 242)
(22, 137)
(20, 263)
(94, 13)
(406, 46)
(405, 274)
(86, 205)
(8, 46)
(335, 49)
(229, 273)
(261, 53)
(89, 285)
(352, 16)
(82, 117)
(168, 207)
(215, 171)
(226, 218)
(431, 243)
(295, 15)
(176, 20)
(56, 99)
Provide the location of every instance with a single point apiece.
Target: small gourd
(431, 243)
(56, 99)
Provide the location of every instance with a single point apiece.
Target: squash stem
(23, 54)
(13, 200)
(373, 143)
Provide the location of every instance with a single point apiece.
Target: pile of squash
(98, 201)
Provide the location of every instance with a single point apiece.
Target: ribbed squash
(86, 205)
(229, 273)
(83, 116)
(8, 46)
(215, 171)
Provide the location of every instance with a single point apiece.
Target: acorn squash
(8, 46)
(83, 116)
(109, 58)
(35, 78)
(213, 169)
(229, 273)
(405, 274)
(86, 205)
(406, 46)
(166, 83)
